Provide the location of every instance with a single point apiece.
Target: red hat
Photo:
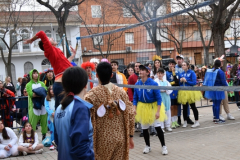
(25, 75)
(88, 64)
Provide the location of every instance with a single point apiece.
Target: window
(14, 40)
(48, 33)
(126, 13)
(143, 60)
(25, 35)
(182, 35)
(129, 38)
(160, 38)
(96, 11)
(45, 64)
(2, 44)
(196, 36)
(208, 34)
(150, 9)
(120, 61)
(98, 40)
(28, 66)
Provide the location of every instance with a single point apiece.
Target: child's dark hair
(104, 71)
(74, 80)
(4, 132)
(161, 70)
(25, 133)
(49, 96)
(217, 64)
(40, 44)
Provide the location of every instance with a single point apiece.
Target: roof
(41, 18)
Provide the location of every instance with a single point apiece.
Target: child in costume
(185, 97)
(165, 99)
(73, 127)
(172, 78)
(50, 108)
(112, 117)
(28, 141)
(8, 142)
(215, 77)
(36, 114)
(150, 109)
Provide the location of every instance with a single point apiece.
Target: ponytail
(67, 99)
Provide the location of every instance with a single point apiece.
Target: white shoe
(164, 150)
(24, 153)
(185, 124)
(40, 151)
(221, 117)
(230, 117)
(163, 130)
(196, 124)
(146, 150)
(169, 129)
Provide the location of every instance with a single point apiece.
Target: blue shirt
(74, 131)
(147, 95)
(190, 76)
(178, 70)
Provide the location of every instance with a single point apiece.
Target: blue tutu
(215, 95)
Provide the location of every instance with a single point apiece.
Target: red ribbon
(70, 94)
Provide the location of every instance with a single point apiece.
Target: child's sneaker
(40, 151)
(146, 150)
(173, 125)
(176, 124)
(169, 129)
(52, 147)
(164, 150)
(24, 153)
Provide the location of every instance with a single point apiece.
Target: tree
(219, 15)
(102, 24)
(234, 30)
(11, 22)
(61, 11)
(144, 10)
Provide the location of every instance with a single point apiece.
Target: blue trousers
(216, 108)
(180, 110)
(57, 89)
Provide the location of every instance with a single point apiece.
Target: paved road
(209, 141)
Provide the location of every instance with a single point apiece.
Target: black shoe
(153, 133)
(141, 135)
(43, 136)
(189, 121)
(179, 121)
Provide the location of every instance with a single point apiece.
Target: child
(165, 99)
(73, 128)
(50, 107)
(8, 140)
(28, 141)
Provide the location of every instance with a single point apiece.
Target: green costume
(229, 93)
(36, 115)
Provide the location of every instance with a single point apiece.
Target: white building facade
(30, 56)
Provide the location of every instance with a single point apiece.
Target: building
(27, 57)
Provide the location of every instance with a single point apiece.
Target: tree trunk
(61, 31)
(206, 56)
(158, 48)
(218, 40)
(9, 71)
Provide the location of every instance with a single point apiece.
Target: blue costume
(50, 108)
(215, 78)
(74, 131)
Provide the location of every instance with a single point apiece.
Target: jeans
(216, 108)
(57, 89)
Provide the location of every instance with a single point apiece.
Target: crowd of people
(96, 119)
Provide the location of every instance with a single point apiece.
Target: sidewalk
(209, 141)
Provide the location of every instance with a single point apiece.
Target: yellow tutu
(146, 113)
(189, 96)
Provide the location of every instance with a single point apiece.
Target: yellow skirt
(189, 96)
(146, 113)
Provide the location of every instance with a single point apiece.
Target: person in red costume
(89, 67)
(57, 59)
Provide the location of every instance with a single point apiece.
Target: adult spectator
(9, 85)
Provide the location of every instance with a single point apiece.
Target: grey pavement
(209, 141)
